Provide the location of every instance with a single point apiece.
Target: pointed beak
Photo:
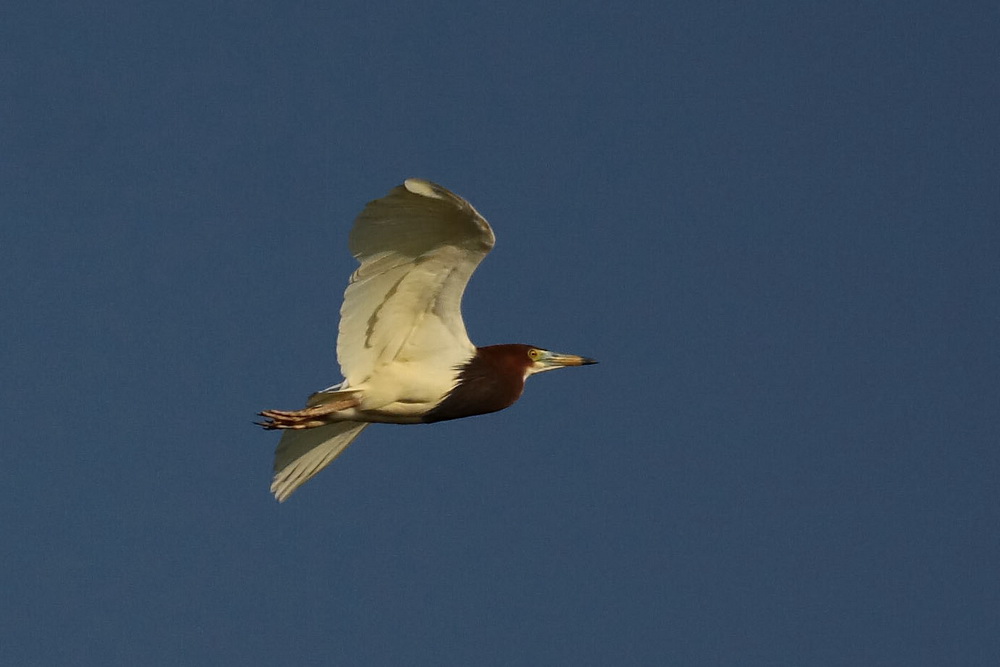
(556, 360)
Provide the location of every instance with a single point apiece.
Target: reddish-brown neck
(490, 381)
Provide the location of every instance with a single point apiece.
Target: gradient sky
(776, 224)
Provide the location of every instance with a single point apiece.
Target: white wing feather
(303, 453)
(418, 246)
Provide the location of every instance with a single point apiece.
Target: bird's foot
(311, 417)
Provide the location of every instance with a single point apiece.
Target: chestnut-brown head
(494, 379)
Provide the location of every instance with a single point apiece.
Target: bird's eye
(534, 354)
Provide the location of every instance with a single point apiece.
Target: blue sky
(775, 224)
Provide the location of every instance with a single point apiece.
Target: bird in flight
(402, 347)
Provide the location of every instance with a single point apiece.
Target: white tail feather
(304, 452)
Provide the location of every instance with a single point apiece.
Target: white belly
(402, 392)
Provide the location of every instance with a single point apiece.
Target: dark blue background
(776, 224)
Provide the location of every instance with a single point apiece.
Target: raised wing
(417, 246)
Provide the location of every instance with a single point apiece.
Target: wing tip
(424, 188)
(303, 453)
(281, 489)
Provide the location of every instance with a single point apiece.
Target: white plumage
(417, 247)
(401, 337)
